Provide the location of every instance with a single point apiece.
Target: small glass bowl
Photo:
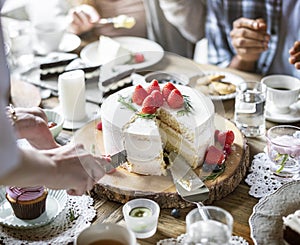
(141, 216)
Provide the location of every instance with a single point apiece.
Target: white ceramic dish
(291, 117)
(266, 220)
(69, 42)
(152, 51)
(57, 118)
(229, 77)
(55, 204)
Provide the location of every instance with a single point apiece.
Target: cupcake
(28, 202)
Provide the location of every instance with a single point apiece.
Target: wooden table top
(239, 203)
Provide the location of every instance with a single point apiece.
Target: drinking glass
(141, 216)
(283, 146)
(249, 115)
(213, 231)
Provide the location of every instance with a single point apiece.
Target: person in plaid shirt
(256, 36)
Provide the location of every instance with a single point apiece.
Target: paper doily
(235, 240)
(77, 215)
(261, 180)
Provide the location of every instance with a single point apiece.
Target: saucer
(292, 116)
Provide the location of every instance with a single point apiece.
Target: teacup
(282, 92)
(106, 234)
(49, 35)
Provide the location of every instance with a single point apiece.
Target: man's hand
(250, 39)
(295, 55)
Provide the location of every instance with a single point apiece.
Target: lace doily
(235, 240)
(76, 216)
(261, 180)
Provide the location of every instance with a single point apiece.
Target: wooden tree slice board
(122, 185)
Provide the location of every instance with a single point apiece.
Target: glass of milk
(283, 147)
(215, 230)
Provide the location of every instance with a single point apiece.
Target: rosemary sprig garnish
(215, 174)
(282, 164)
(146, 116)
(127, 103)
(186, 105)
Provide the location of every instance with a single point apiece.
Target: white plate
(229, 77)
(266, 220)
(55, 204)
(291, 117)
(69, 42)
(152, 51)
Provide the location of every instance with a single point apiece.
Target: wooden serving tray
(122, 185)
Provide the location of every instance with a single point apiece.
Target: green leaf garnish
(146, 116)
(186, 105)
(127, 102)
(283, 161)
(215, 174)
(72, 215)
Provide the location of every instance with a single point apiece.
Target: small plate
(55, 204)
(152, 51)
(69, 42)
(229, 77)
(266, 222)
(291, 117)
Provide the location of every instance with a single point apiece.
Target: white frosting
(57, 69)
(144, 139)
(109, 50)
(293, 221)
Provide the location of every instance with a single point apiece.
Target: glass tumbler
(283, 147)
(249, 115)
(215, 230)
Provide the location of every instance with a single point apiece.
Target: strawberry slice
(153, 86)
(175, 99)
(166, 90)
(158, 98)
(99, 126)
(138, 58)
(139, 95)
(214, 156)
(226, 137)
(149, 105)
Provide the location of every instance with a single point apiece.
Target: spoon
(120, 21)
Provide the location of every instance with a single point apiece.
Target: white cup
(105, 232)
(49, 35)
(282, 92)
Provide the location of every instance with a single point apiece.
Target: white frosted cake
(110, 50)
(147, 134)
(291, 228)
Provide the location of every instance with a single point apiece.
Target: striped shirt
(220, 17)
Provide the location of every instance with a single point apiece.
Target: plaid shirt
(220, 17)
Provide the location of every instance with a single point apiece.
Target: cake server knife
(188, 184)
(116, 160)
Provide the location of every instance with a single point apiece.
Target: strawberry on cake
(151, 121)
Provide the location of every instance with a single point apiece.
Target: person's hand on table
(83, 19)
(77, 170)
(249, 39)
(295, 55)
(32, 124)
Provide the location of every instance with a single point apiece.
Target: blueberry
(175, 213)
(208, 167)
